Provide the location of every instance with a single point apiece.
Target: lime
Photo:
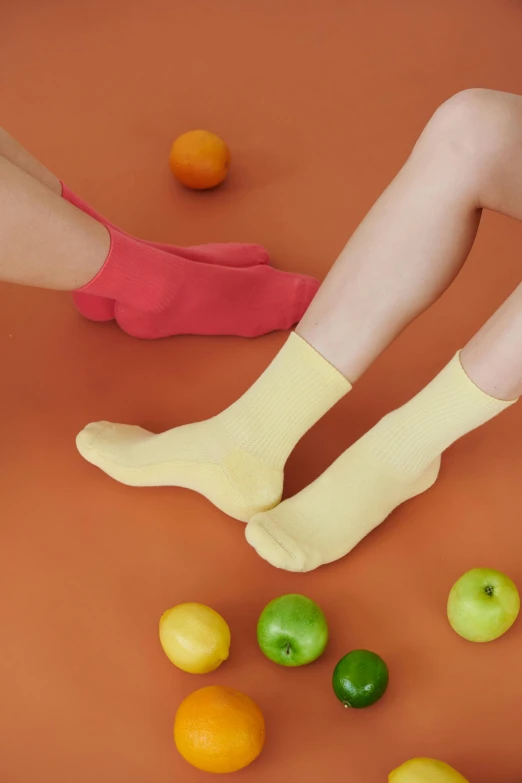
(360, 679)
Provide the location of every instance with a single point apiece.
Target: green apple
(292, 631)
(483, 604)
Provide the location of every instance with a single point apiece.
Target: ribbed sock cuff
(293, 393)
(411, 437)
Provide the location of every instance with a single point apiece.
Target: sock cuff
(494, 400)
(121, 276)
(66, 193)
(453, 384)
(72, 198)
(302, 354)
(293, 393)
(449, 407)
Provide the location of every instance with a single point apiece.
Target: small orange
(199, 159)
(219, 730)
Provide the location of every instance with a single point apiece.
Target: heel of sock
(427, 479)
(258, 487)
(95, 308)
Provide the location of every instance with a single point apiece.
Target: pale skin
(44, 240)
(415, 239)
(402, 257)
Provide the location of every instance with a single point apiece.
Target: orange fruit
(199, 159)
(219, 730)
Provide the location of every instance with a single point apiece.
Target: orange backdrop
(320, 103)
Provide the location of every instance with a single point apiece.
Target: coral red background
(320, 103)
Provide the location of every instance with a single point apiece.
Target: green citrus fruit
(360, 679)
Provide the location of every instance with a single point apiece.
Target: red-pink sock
(160, 294)
(224, 254)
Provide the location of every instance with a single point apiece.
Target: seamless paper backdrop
(320, 103)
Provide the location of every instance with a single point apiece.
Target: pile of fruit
(221, 730)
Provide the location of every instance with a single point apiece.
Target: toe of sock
(248, 254)
(89, 438)
(274, 545)
(259, 254)
(235, 254)
(109, 440)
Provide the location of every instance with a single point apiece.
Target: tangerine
(219, 730)
(199, 160)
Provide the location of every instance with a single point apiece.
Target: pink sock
(224, 254)
(160, 294)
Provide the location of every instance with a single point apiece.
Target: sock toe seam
(279, 542)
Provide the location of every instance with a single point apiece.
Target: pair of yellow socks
(237, 458)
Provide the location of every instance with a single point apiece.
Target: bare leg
(15, 153)
(493, 357)
(44, 241)
(415, 239)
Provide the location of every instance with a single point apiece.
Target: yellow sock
(396, 460)
(235, 459)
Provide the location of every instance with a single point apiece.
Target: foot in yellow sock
(398, 459)
(236, 459)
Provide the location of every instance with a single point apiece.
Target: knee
(475, 128)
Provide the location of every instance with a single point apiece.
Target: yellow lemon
(425, 771)
(194, 637)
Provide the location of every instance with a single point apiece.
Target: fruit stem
(288, 649)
